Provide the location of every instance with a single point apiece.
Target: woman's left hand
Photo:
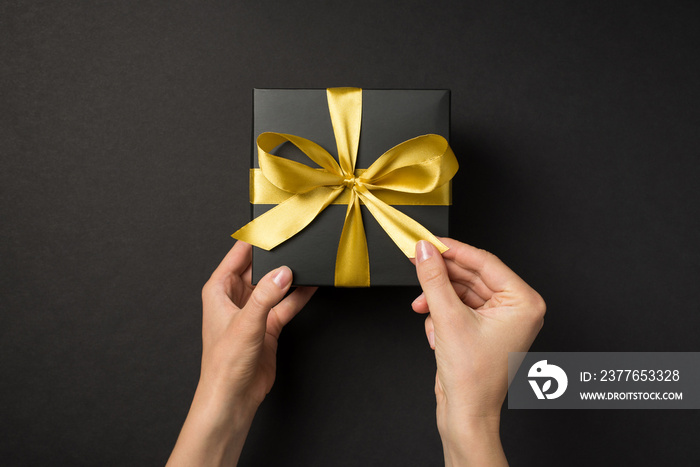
(240, 327)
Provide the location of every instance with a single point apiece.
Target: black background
(124, 137)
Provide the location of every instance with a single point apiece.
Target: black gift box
(389, 117)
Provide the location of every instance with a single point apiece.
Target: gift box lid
(389, 117)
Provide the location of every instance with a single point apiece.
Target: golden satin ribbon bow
(419, 165)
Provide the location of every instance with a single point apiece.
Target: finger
(464, 292)
(430, 331)
(493, 272)
(287, 309)
(223, 279)
(468, 278)
(480, 292)
(234, 263)
(237, 287)
(468, 296)
(247, 276)
(420, 304)
(237, 259)
(268, 293)
(433, 278)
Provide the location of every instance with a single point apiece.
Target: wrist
(222, 409)
(215, 429)
(471, 440)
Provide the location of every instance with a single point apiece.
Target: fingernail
(431, 339)
(418, 298)
(282, 277)
(423, 251)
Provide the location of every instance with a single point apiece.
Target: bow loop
(268, 141)
(418, 165)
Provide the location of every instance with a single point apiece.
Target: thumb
(268, 293)
(435, 282)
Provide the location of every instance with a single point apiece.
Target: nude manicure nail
(282, 277)
(423, 251)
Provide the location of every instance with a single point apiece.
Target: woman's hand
(240, 327)
(479, 310)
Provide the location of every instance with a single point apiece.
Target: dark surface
(124, 138)
(389, 117)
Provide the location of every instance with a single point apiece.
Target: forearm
(213, 433)
(473, 443)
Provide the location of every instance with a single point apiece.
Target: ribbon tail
(352, 260)
(403, 230)
(285, 220)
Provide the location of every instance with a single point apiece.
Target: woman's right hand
(478, 311)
